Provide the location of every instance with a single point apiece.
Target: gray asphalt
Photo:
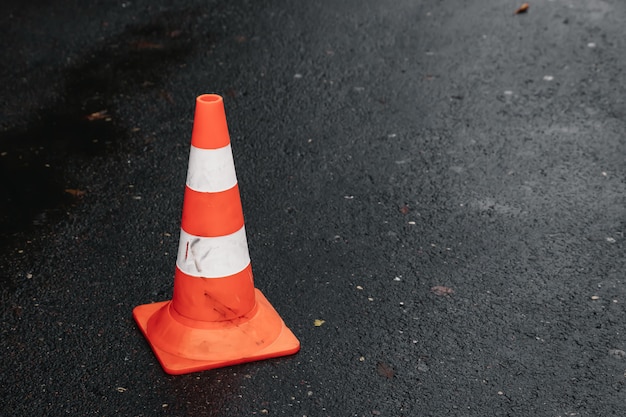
(442, 183)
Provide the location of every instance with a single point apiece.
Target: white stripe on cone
(211, 170)
(213, 257)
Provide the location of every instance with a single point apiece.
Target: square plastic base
(285, 344)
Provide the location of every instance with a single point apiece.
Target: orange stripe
(217, 299)
(212, 214)
(210, 130)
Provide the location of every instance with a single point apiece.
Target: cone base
(152, 318)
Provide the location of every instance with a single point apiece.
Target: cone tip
(210, 130)
(208, 98)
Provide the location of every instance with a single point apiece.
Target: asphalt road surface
(434, 195)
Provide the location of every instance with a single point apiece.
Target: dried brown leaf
(167, 96)
(523, 8)
(141, 45)
(440, 290)
(75, 192)
(385, 370)
(99, 115)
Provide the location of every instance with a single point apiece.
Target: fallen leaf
(75, 192)
(99, 115)
(441, 290)
(147, 45)
(404, 209)
(167, 96)
(318, 322)
(523, 8)
(385, 370)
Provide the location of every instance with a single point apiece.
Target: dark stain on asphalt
(35, 158)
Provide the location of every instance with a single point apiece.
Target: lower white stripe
(211, 170)
(213, 257)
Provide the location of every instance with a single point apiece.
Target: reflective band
(211, 170)
(213, 257)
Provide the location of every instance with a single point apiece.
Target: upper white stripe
(211, 170)
(213, 257)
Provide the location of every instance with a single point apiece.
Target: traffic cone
(216, 317)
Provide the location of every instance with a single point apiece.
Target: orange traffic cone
(216, 317)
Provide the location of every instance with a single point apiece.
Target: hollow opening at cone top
(209, 98)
